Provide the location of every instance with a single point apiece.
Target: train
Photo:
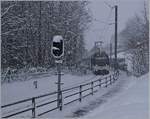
(100, 64)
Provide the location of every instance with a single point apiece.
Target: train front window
(100, 62)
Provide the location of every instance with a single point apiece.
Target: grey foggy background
(100, 12)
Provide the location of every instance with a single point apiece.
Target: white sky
(100, 11)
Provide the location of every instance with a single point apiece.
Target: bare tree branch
(7, 10)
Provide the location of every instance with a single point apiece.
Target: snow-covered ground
(127, 98)
(16, 91)
(130, 103)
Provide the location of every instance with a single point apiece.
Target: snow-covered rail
(40, 105)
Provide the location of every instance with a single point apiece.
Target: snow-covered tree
(29, 26)
(135, 39)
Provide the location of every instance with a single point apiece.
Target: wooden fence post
(80, 93)
(113, 78)
(92, 87)
(118, 75)
(99, 82)
(106, 82)
(33, 108)
(110, 79)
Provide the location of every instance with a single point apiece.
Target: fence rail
(77, 91)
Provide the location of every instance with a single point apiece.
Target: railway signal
(57, 51)
(57, 48)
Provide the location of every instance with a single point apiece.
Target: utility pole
(110, 54)
(116, 23)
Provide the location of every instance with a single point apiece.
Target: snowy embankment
(130, 103)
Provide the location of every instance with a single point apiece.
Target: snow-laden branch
(18, 29)
(72, 32)
(6, 11)
(13, 20)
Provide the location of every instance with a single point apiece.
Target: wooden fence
(67, 96)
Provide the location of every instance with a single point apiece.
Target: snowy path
(130, 103)
(103, 97)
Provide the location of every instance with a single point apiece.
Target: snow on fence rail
(37, 106)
